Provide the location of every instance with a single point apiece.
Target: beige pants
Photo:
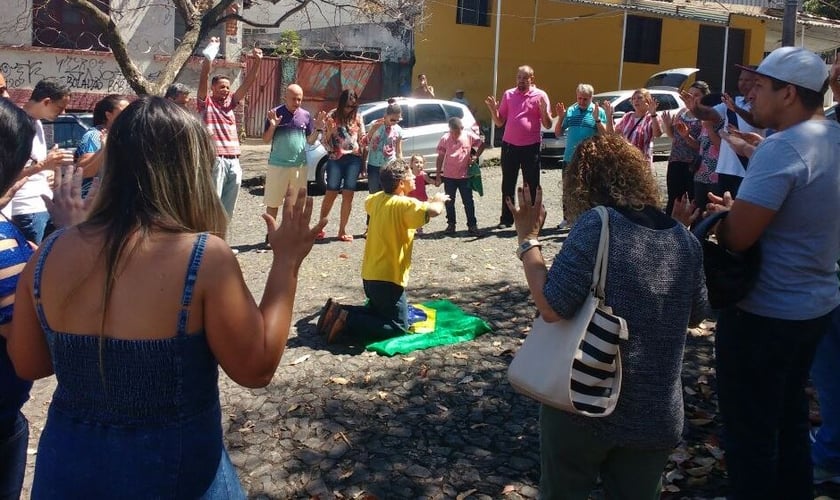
(279, 179)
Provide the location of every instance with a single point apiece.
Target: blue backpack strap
(46, 247)
(189, 282)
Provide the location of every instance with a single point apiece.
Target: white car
(664, 86)
(424, 121)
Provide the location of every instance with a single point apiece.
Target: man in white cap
(764, 345)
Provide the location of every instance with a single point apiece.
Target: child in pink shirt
(420, 181)
(416, 164)
(456, 150)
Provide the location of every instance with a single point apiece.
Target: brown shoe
(328, 314)
(337, 327)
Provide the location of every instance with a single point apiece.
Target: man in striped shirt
(217, 113)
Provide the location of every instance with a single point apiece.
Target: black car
(67, 129)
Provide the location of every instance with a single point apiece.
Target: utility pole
(789, 23)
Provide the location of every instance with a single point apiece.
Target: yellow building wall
(566, 44)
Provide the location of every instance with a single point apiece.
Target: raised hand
(491, 103)
(652, 105)
(667, 119)
(560, 109)
(529, 216)
(272, 117)
(685, 211)
(608, 109)
(57, 158)
(67, 207)
(321, 119)
(729, 101)
(293, 237)
(681, 129)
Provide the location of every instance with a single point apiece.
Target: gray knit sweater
(655, 282)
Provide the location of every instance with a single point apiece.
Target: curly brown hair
(607, 170)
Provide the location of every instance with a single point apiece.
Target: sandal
(345, 237)
(321, 235)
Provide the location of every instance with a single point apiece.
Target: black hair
(16, 134)
(811, 99)
(106, 104)
(176, 88)
(392, 173)
(49, 89)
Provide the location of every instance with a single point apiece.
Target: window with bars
(58, 25)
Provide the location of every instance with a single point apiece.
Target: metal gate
(263, 95)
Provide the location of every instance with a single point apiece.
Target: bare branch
(294, 10)
(132, 73)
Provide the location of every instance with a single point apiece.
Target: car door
(429, 125)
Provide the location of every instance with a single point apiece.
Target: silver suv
(424, 121)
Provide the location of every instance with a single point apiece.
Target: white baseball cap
(793, 65)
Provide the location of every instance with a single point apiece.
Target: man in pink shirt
(455, 151)
(521, 111)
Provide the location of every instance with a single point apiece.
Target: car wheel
(321, 176)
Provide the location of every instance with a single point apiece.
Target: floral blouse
(345, 139)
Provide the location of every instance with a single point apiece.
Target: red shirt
(221, 123)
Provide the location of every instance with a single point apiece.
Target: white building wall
(149, 34)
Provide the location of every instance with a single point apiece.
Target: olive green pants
(572, 458)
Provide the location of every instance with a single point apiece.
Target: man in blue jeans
(765, 344)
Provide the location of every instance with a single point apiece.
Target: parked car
(664, 86)
(67, 129)
(424, 121)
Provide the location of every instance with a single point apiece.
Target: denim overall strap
(189, 282)
(46, 246)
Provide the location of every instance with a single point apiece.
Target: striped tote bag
(575, 364)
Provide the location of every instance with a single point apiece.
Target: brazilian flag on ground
(434, 323)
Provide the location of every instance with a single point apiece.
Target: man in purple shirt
(521, 111)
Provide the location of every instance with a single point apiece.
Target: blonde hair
(419, 158)
(607, 170)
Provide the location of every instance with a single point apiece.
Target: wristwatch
(525, 246)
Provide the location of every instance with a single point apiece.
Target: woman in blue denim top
(135, 309)
(16, 133)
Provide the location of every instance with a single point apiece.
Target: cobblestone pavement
(339, 422)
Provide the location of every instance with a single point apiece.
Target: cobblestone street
(339, 422)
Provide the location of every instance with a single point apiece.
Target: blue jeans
(227, 176)
(33, 226)
(343, 173)
(13, 443)
(453, 186)
(384, 316)
(373, 179)
(762, 367)
(825, 374)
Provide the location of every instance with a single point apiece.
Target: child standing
(387, 259)
(420, 180)
(384, 143)
(456, 150)
(416, 164)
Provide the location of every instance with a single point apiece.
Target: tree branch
(276, 24)
(132, 73)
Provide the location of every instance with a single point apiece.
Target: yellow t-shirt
(390, 237)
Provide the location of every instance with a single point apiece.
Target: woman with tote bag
(654, 281)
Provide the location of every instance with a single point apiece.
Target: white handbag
(575, 364)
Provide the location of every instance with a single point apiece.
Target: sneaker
(473, 231)
(823, 476)
(503, 225)
(337, 327)
(328, 314)
(450, 229)
(564, 224)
